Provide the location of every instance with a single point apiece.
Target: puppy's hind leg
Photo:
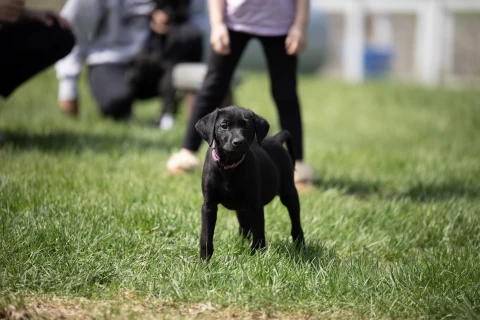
(289, 198)
(257, 221)
(244, 228)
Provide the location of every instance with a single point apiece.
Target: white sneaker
(182, 161)
(166, 123)
(303, 173)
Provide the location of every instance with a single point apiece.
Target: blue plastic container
(377, 61)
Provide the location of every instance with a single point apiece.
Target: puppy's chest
(234, 195)
(235, 201)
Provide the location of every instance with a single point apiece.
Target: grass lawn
(90, 223)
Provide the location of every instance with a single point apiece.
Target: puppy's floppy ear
(206, 127)
(261, 127)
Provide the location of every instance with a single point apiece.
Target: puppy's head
(233, 128)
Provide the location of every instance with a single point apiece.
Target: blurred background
(424, 41)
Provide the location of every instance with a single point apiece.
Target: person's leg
(29, 47)
(283, 78)
(183, 44)
(110, 89)
(169, 95)
(214, 88)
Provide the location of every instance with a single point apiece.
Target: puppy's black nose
(237, 142)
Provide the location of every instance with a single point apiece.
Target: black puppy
(244, 174)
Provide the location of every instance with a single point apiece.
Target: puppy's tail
(284, 136)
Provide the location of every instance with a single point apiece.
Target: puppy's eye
(224, 126)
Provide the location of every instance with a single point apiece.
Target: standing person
(30, 41)
(281, 27)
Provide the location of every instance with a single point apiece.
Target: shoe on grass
(303, 173)
(166, 122)
(183, 161)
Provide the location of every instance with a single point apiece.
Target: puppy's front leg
(257, 222)
(209, 219)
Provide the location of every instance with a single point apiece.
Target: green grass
(393, 227)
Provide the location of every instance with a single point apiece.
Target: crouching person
(109, 34)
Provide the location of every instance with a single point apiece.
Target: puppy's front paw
(299, 243)
(299, 240)
(206, 252)
(258, 245)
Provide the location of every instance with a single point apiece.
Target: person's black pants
(184, 43)
(111, 90)
(28, 47)
(283, 80)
